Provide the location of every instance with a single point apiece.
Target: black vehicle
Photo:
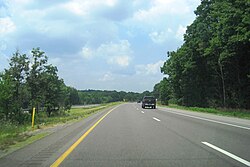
(149, 101)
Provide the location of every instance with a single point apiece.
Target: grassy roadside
(13, 137)
(23, 142)
(220, 111)
(73, 115)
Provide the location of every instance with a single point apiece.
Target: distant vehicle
(139, 101)
(149, 101)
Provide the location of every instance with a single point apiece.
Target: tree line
(30, 81)
(212, 67)
(105, 96)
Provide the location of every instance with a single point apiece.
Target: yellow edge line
(73, 146)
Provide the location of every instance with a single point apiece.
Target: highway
(127, 135)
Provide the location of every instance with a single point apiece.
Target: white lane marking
(227, 153)
(142, 112)
(210, 120)
(156, 119)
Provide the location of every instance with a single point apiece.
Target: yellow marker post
(33, 117)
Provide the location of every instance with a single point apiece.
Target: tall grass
(11, 133)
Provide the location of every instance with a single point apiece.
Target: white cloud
(111, 3)
(77, 7)
(83, 8)
(159, 14)
(6, 25)
(122, 61)
(161, 8)
(118, 53)
(149, 69)
(107, 77)
(160, 37)
(87, 53)
(21, 2)
(180, 32)
(111, 49)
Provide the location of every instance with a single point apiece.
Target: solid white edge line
(210, 120)
(227, 153)
(142, 112)
(156, 119)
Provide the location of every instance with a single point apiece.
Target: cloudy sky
(97, 44)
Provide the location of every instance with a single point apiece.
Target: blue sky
(97, 44)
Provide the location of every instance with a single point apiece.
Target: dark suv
(149, 101)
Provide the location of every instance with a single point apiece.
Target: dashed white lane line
(227, 153)
(156, 119)
(210, 120)
(142, 112)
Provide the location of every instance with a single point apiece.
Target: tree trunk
(223, 84)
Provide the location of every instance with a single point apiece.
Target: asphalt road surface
(128, 135)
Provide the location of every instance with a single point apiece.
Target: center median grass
(13, 137)
(238, 113)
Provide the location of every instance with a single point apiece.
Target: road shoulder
(226, 119)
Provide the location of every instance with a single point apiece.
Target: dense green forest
(212, 67)
(85, 97)
(31, 82)
(99, 96)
